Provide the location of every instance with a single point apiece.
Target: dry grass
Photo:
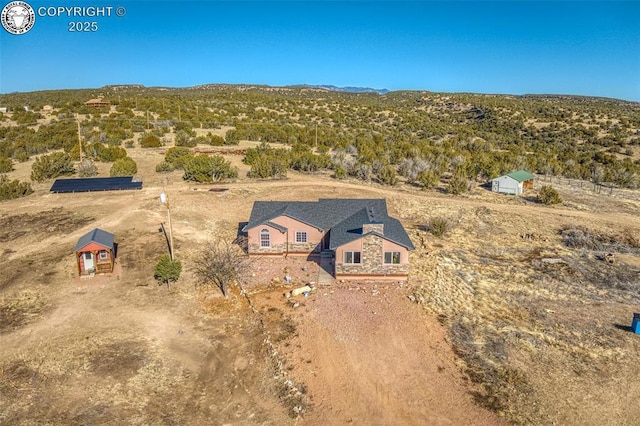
(521, 310)
(19, 309)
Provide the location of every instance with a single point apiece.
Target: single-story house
(95, 252)
(513, 183)
(97, 103)
(363, 239)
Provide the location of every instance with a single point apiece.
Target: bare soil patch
(497, 325)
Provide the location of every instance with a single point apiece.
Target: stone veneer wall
(372, 261)
(308, 247)
(274, 249)
(282, 248)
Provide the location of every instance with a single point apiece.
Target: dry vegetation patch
(21, 308)
(522, 311)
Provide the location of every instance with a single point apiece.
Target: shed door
(496, 186)
(88, 261)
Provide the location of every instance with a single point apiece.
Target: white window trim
(344, 257)
(103, 255)
(384, 258)
(267, 240)
(301, 233)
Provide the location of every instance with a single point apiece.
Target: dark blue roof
(97, 236)
(344, 217)
(95, 184)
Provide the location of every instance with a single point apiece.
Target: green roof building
(514, 183)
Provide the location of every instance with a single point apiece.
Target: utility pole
(79, 137)
(164, 199)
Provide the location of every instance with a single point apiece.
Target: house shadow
(487, 185)
(241, 238)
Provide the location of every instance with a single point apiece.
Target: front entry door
(88, 261)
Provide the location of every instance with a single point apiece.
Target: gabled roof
(344, 217)
(97, 236)
(521, 175)
(351, 229)
(322, 214)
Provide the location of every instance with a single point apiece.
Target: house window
(88, 255)
(102, 255)
(265, 241)
(301, 237)
(392, 257)
(352, 257)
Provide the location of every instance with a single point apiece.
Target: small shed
(513, 183)
(95, 252)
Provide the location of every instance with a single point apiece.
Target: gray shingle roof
(344, 217)
(97, 236)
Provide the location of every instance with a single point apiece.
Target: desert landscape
(517, 313)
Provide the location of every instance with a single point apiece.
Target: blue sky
(515, 47)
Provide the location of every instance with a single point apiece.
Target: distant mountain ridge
(347, 89)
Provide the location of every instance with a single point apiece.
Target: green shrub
(428, 179)
(268, 166)
(458, 184)
(124, 167)
(6, 165)
(167, 270)
(231, 137)
(51, 166)
(164, 167)
(174, 153)
(150, 141)
(203, 168)
(438, 226)
(340, 172)
(216, 140)
(548, 195)
(387, 175)
(13, 189)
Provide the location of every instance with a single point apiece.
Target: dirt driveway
(366, 355)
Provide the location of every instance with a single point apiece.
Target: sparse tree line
(424, 139)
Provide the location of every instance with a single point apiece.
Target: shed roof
(521, 175)
(97, 236)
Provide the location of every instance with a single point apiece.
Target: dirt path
(368, 356)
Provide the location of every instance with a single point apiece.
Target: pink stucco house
(363, 239)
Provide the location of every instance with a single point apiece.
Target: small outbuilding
(514, 183)
(95, 252)
(97, 103)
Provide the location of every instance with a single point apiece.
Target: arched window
(264, 238)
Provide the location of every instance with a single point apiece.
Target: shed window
(103, 255)
(301, 237)
(392, 257)
(88, 255)
(265, 241)
(352, 257)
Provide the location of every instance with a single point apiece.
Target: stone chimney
(373, 227)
